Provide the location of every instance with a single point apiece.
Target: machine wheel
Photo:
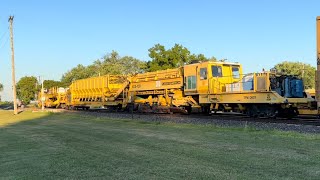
(63, 106)
(288, 113)
(188, 109)
(206, 110)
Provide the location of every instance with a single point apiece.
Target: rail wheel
(188, 109)
(206, 110)
(252, 111)
(288, 113)
(63, 106)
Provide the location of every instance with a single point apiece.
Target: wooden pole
(42, 96)
(318, 62)
(15, 108)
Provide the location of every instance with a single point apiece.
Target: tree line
(112, 63)
(160, 59)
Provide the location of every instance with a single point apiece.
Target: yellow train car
(222, 86)
(209, 86)
(160, 90)
(54, 97)
(103, 91)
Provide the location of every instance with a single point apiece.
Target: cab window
(203, 73)
(235, 72)
(191, 82)
(216, 71)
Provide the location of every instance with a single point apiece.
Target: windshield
(216, 71)
(235, 72)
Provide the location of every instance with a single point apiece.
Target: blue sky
(51, 37)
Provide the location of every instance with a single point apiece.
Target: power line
(3, 22)
(4, 34)
(5, 43)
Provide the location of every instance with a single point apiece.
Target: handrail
(258, 85)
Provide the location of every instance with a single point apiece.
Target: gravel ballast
(215, 120)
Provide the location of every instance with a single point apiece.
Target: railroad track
(302, 124)
(306, 120)
(205, 119)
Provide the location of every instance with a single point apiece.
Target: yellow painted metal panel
(97, 89)
(166, 79)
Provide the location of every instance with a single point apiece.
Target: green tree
(114, 64)
(79, 72)
(27, 88)
(111, 63)
(177, 56)
(131, 65)
(51, 83)
(199, 57)
(212, 59)
(302, 70)
(166, 59)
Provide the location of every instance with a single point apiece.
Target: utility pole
(15, 108)
(318, 62)
(42, 95)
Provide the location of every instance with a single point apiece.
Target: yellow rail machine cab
(220, 76)
(211, 77)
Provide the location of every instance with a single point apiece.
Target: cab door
(215, 78)
(190, 79)
(203, 78)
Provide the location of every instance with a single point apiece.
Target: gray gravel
(216, 120)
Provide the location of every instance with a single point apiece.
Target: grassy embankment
(46, 145)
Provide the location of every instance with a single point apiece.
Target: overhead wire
(5, 43)
(2, 37)
(4, 34)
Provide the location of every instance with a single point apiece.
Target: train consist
(205, 87)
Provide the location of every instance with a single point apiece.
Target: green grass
(55, 146)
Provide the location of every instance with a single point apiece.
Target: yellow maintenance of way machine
(209, 87)
(221, 86)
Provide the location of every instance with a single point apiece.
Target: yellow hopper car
(99, 91)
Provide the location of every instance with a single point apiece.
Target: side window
(203, 73)
(235, 72)
(216, 71)
(191, 82)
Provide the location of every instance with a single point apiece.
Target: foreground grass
(7, 117)
(42, 145)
